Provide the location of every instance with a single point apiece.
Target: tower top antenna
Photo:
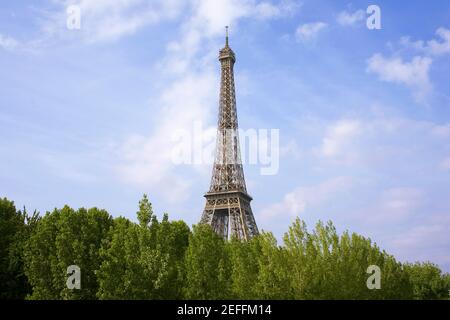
(226, 38)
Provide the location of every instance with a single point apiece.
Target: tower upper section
(228, 174)
(226, 53)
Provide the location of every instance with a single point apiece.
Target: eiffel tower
(227, 207)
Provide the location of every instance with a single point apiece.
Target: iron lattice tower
(227, 207)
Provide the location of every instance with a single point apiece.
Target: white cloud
(339, 140)
(106, 20)
(378, 142)
(147, 160)
(210, 17)
(268, 10)
(442, 131)
(408, 43)
(403, 199)
(349, 19)
(395, 204)
(445, 164)
(434, 47)
(419, 236)
(8, 43)
(414, 74)
(304, 199)
(440, 47)
(291, 149)
(76, 168)
(309, 31)
(428, 240)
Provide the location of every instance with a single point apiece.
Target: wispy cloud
(309, 31)
(425, 241)
(438, 47)
(414, 74)
(346, 18)
(434, 47)
(146, 160)
(381, 141)
(8, 43)
(338, 141)
(103, 20)
(308, 198)
(445, 164)
(266, 10)
(394, 205)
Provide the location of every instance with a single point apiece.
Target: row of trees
(164, 259)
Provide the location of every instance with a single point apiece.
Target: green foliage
(428, 281)
(116, 257)
(15, 229)
(273, 280)
(172, 243)
(143, 261)
(152, 259)
(244, 257)
(207, 265)
(145, 213)
(325, 265)
(63, 238)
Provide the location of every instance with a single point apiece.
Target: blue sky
(87, 116)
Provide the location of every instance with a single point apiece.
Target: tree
(15, 229)
(273, 278)
(428, 281)
(144, 261)
(64, 238)
(145, 213)
(324, 265)
(244, 257)
(172, 242)
(41, 259)
(119, 273)
(207, 265)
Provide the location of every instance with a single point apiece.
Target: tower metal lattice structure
(227, 207)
